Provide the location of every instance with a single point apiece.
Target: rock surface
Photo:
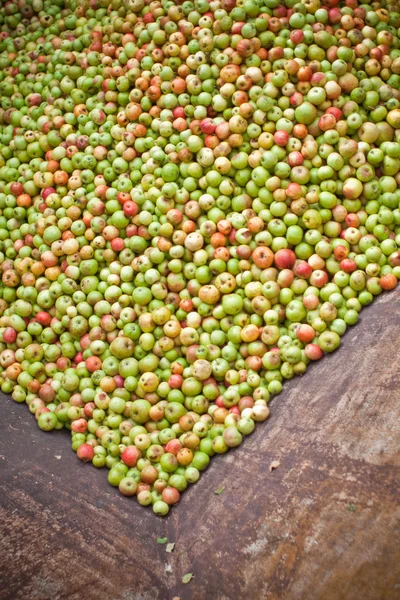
(324, 524)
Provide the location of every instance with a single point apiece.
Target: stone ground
(324, 525)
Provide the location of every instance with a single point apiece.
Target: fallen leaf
(170, 547)
(187, 578)
(163, 540)
(274, 465)
(219, 490)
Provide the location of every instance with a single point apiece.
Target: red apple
(347, 265)
(9, 335)
(319, 278)
(285, 258)
(311, 301)
(313, 352)
(305, 333)
(85, 452)
(130, 456)
(302, 269)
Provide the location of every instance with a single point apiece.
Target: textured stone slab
(323, 525)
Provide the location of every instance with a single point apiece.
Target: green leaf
(170, 547)
(219, 490)
(162, 540)
(351, 508)
(187, 578)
